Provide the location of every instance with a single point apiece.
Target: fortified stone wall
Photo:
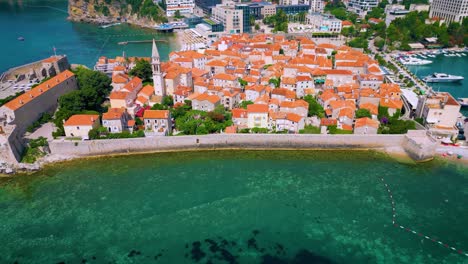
(419, 146)
(220, 141)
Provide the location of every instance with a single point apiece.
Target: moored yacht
(442, 77)
(414, 61)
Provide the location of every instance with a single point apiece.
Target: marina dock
(140, 41)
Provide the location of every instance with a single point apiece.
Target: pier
(140, 41)
(169, 27)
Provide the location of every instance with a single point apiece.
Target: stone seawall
(222, 141)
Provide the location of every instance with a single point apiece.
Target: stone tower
(158, 80)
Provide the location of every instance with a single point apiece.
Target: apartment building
(185, 7)
(449, 10)
(230, 17)
(361, 7)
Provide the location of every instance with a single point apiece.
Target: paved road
(44, 131)
(422, 87)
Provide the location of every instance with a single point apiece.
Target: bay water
(237, 207)
(43, 24)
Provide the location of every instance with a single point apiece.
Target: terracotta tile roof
(206, 97)
(119, 68)
(365, 121)
(216, 63)
(120, 78)
(346, 127)
(224, 76)
(373, 109)
(230, 130)
(27, 97)
(328, 122)
(335, 71)
(346, 23)
(395, 104)
(133, 84)
(81, 120)
(113, 113)
(118, 95)
(142, 100)
(239, 113)
(288, 80)
(51, 59)
(348, 112)
(318, 72)
(327, 95)
(294, 117)
(257, 108)
(342, 104)
(302, 78)
(256, 87)
(198, 72)
(147, 90)
(156, 114)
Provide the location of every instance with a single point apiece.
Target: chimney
(21, 101)
(48, 86)
(40, 90)
(92, 118)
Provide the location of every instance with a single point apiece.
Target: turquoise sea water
(236, 207)
(449, 65)
(43, 24)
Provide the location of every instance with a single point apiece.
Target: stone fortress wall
(236, 141)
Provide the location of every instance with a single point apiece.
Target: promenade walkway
(417, 82)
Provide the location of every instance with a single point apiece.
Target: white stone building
(80, 125)
(450, 10)
(157, 122)
(185, 7)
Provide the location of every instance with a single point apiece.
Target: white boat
(463, 101)
(432, 56)
(422, 56)
(414, 61)
(458, 54)
(110, 25)
(442, 77)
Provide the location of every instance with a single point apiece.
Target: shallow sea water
(235, 207)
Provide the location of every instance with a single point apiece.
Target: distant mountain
(139, 12)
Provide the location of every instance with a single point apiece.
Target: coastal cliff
(137, 12)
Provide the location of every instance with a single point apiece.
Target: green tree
(93, 86)
(363, 113)
(168, 100)
(142, 70)
(275, 81)
(315, 109)
(177, 14)
(244, 104)
(242, 82)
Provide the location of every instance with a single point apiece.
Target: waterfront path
(417, 82)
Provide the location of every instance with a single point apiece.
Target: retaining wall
(220, 141)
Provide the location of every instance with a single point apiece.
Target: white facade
(361, 7)
(316, 5)
(324, 23)
(185, 7)
(449, 10)
(230, 17)
(158, 81)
